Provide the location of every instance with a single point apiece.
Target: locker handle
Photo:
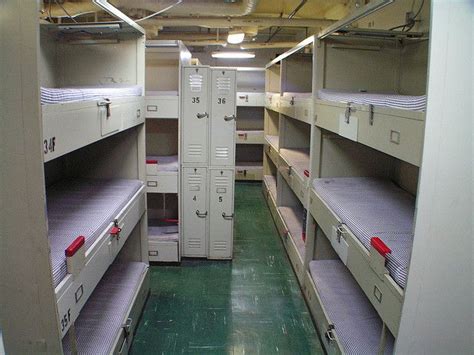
(229, 118)
(201, 215)
(202, 115)
(226, 216)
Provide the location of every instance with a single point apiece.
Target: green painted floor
(252, 305)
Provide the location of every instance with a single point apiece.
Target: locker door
(223, 117)
(221, 220)
(195, 213)
(195, 114)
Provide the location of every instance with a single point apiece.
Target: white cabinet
(195, 212)
(221, 213)
(222, 132)
(195, 114)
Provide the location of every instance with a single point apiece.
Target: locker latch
(349, 111)
(229, 118)
(227, 216)
(201, 215)
(289, 170)
(292, 102)
(330, 333)
(202, 115)
(105, 103)
(127, 327)
(115, 230)
(339, 232)
(371, 115)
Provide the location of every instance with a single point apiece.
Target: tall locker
(195, 212)
(223, 114)
(195, 114)
(221, 213)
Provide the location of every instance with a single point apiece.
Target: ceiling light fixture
(235, 37)
(233, 55)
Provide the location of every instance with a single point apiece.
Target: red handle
(75, 246)
(169, 220)
(115, 230)
(306, 173)
(380, 246)
(152, 161)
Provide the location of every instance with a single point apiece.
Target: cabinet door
(221, 221)
(195, 214)
(195, 114)
(223, 116)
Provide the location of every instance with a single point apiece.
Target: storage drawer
(272, 154)
(248, 174)
(299, 188)
(162, 182)
(249, 137)
(325, 327)
(162, 107)
(397, 136)
(163, 251)
(382, 293)
(340, 118)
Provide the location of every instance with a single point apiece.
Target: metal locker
(195, 214)
(223, 115)
(195, 114)
(221, 213)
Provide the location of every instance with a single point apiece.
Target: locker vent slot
(194, 243)
(223, 86)
(222, 152)
(195, 150)
(195, 82)
(222, 181)
(194, 182)
(219, 246)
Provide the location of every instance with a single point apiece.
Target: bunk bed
(162, 173)
(297, 105)
(89, 221)
(74, 117)
(369, 222)
(349, 323)
(162, 104)
(294, 167)
(108, 321)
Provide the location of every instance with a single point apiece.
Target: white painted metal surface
(195, 214)
(253, 99)
(195, 114)
(221, 213)
(223, 117)
(162, 106)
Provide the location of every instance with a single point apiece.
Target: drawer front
(151, 169)
(382, 297)
(162, 183)
(248, 174)
(320, 316)
(299, 188)
(130, 112)
(161, 251)
(242, 137)
(397, 136)
(340, 119)
(243, 99)
(162, 107)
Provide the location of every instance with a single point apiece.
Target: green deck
(251, 305)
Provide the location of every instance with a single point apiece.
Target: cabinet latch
(330, 333)
(371, 115)
(349, 111)
(106, 103)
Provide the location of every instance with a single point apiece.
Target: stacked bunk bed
(93, 150)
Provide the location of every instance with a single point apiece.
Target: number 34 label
(49, 145)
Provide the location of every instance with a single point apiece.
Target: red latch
(169, 220)
(306, 173)
(75, 246)
(152, 161)
(241, 134)
(380, 246)
(115, 231)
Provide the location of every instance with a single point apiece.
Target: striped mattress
(82, 207)
(355, 320)
(163, 233)
(404, 102)
(165, 162)
(74, 94)
(374, 207)
(103, 315)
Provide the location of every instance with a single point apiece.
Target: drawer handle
(201, 215)
(349, 111)
(152, 108)
(202, 115)
(106, 103)
(371, 114)
(227, 216)
(395, 136)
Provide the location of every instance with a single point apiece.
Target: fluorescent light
(235, 37)
(233, 55)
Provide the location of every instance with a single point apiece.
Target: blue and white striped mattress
(355, 320)
(404, 102)
(372, 207)
(73, 94)
(82, 207)
(103, 315)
